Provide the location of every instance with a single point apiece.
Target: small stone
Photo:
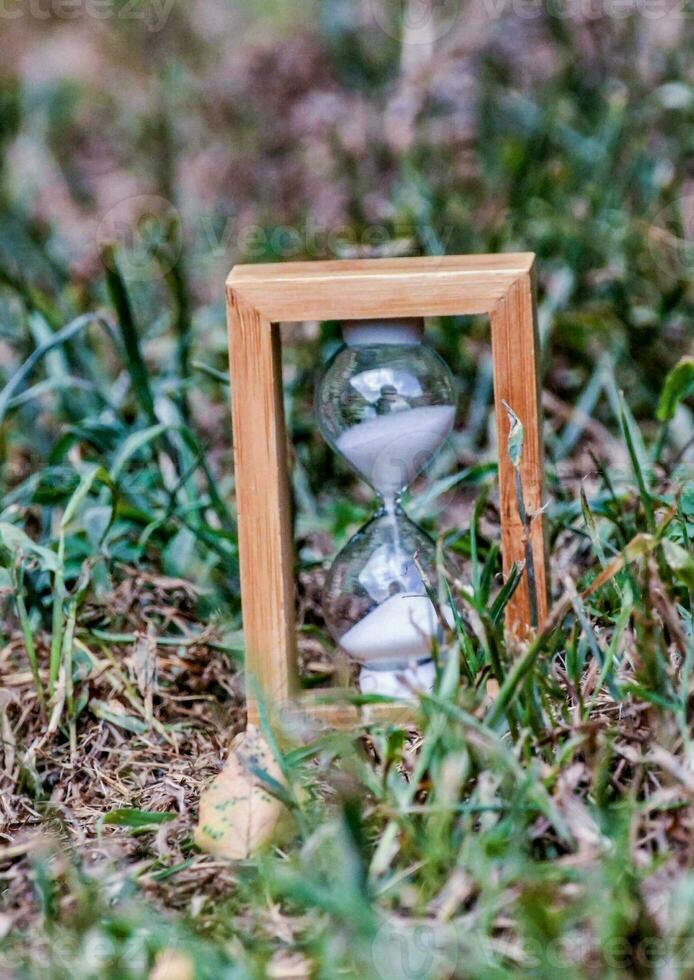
(238, 813)
(171, 964)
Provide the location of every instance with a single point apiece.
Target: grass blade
(134, 360)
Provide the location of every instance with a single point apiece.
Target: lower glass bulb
(376, 603)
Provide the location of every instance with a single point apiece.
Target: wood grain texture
(263, 503)
(367, 288)
(330, 707)
(516, 359)
(259, 297)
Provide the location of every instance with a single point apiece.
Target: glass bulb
(386, 407)
(375, 600)
(386, 403)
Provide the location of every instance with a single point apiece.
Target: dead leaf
(492, 689)
(145, 668)
(8, 742)
(171, 964)
(238, 813)
(289, 966)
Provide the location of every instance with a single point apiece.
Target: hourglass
(386, 403)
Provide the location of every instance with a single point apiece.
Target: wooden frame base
(334, 708)
(259, 299)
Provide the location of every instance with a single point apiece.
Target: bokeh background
(145, 147)
(192, 136)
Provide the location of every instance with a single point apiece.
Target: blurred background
(157, 143)
(148, 145)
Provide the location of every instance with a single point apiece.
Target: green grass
(540, 823)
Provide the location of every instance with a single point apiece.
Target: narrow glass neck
(389, 504)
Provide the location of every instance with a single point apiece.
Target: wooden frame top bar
(373, 288)
(513, 263)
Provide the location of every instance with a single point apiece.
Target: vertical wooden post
(263, 502)
(516, 357)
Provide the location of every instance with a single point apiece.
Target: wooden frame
(259, 299)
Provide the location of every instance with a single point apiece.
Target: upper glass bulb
(386, 402)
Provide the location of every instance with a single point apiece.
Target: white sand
(399, 631)
(401, 683)
(391, 449)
